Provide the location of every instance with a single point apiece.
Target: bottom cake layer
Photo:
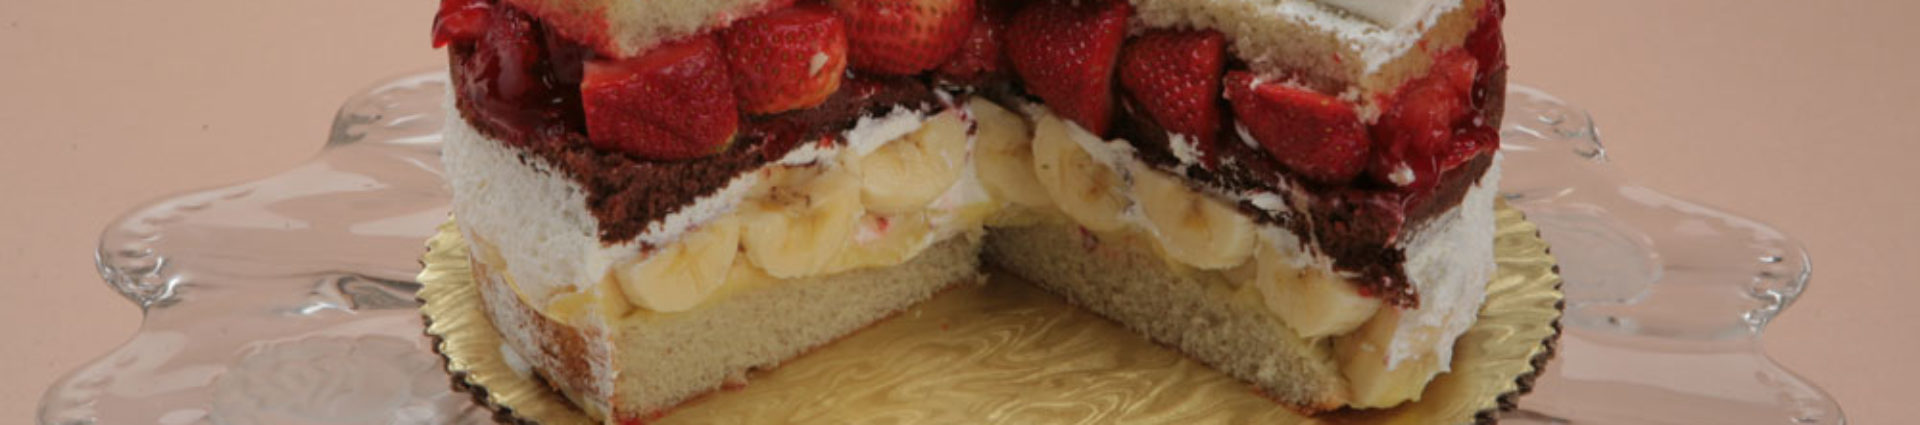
(1122, 278)
(641, 365)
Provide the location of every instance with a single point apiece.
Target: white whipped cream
(870, 133)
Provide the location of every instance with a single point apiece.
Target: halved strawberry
(979, 54)
(787, 59)
(1315, 135)
(903, 37)
(672, 102)
(1065, 51)
(1175, 76)
(460, 21)
(1416, 128)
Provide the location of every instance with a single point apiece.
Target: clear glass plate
(289, 299)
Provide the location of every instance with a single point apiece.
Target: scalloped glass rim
(289, 299)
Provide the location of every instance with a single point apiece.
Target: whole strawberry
(786, 59)
(1175, 76)
(670, 103)
(1064, 51)
(1315, 135)
(903, 37)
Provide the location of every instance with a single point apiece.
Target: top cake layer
(1373, 45)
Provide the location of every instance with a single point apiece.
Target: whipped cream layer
(551, 239)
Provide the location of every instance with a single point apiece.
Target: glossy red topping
(904, 37)
(461, 20)
(1314, 135)
(672, 102)
(787, 59)
(1415, 131)
(1065, 52)
(1175, 76)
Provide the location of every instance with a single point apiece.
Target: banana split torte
(663, 196)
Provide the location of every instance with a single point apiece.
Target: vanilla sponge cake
(663, 196)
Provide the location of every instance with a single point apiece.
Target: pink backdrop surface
(1799, 114)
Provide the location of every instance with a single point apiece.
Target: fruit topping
(1415, 131)
(506, 71)
(1064, 51)
(1316, 135)
(979, 54)
(672, 102)
(1486, 45)
(904, 37)
(1175, 76)
(460, 21)
(788, 59)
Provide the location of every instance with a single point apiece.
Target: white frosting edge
(1449, 262)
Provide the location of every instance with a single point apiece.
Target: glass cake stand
(290, 299)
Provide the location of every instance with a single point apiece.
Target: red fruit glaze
(1175, 76)
(672, 102)
(460, 21)
(1315, 135)
(903, 37)
(1064, 51)
(1489, 48)
(1418, 125)
(979, 54)
(507, 73)
(787, 59)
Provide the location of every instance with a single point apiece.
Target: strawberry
(979, 54)
(1314, 134)
(1175, 76)
(460, 21)
(669, 103)
(1065, 51)
(903, 37)
(1417, 126)
(502, 77)
(787, 59)
(1489, 49)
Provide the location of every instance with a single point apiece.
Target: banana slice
(1004, 155)
(881, 241)
(678, 277)
(1313, 301)
(907, 173)
(803, 222)
(1193, 228)
(1083, 188)
(1363, 359)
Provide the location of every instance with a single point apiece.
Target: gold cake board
(1007, 352)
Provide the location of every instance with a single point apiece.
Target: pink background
(1802, 114)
